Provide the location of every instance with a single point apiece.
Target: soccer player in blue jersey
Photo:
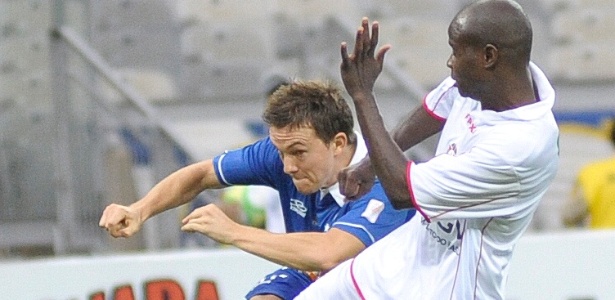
(311, 139)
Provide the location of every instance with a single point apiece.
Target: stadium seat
(115, 15)
(583, 62)
(156, 86)
(190, 12)
(222, 80)
(433, 9)
(419, 46)
(312, 13)
(226, 42)
(583, 25)
(559, 5)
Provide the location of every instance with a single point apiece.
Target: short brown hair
(316, 104)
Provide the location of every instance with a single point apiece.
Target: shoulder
(519, 141)
(446, 88)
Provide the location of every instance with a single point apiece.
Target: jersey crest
(298, 206)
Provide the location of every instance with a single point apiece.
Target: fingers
(352, 191)
(345, 58)
(196, 214)
(192, 221)
(189, 227)
(120, 230)
(112, 216)
(349, 188)
(365, 39)
(358, 45)
(365, 47)
(104, 219)
(381, 52)
(373, 42)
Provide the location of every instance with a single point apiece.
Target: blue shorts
(285, 283)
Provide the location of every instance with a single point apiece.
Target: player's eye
(299, 153)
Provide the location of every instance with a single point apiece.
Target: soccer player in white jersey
(496, 156)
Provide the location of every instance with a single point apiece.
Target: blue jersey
(369, 218)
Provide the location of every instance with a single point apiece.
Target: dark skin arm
(386, 158)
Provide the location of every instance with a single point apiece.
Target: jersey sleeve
(372, 217)
(475, 184)
(258, 163)
(439, 101)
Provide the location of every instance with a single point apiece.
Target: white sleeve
(439, 101)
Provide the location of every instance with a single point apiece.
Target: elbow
(328, 262)
(332, 255)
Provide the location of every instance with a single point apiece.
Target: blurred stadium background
(101, 99)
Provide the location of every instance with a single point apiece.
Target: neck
(516, 91)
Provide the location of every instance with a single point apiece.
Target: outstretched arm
(359, 72)
(308, 251)
(178, 188)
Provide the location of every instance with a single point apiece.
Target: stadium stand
(196, 63)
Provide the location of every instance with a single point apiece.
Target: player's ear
(491, 56)
(340, 141)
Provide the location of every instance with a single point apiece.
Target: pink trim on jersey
(480, 255)
(458, 262)
(431, 112)
(463, 207)
(354, 281)
(411, 192)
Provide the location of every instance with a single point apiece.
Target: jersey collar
(528, 112)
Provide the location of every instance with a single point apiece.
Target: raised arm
(176, 189)
(356, 180)
(359, 72)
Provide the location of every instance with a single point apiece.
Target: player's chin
(305, 186)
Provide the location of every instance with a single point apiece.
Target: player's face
(307, 159)
(463, 63)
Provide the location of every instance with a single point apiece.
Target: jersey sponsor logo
(470, 122)
(446, 234)
(298, 207)
(372, 210)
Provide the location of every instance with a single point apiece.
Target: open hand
(360, 69)
(212, 222)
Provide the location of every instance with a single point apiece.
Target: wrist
(140, 210)
(360, 96)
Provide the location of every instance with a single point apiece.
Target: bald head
(501, 23)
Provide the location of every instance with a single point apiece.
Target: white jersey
(476, 197)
